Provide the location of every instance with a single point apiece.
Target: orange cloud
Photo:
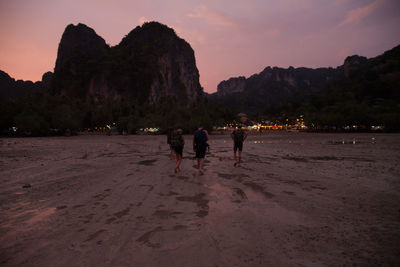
(358, 14)
(143, 20)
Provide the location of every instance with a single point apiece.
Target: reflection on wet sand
(40, 215)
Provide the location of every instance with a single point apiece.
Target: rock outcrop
(79, 44)
(286, 82)
(373, 80)
(149, 64)
(353, 63)
(80, 58)
(233, 85)
(10, 88)
(276, 84)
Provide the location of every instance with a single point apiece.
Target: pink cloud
(271, 32)
(212, 17)
(358, 14)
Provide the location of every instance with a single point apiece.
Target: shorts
(238, 145)
(170, 147)
(201, 152)
(178, 150)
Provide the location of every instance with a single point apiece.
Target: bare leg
(178, 162)
(172, 155)
(198, 164)
(201, 162)
(235, 158)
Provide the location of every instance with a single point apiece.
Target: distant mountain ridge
(9, 87)
(275, 78)
(276, 86)
(361, 92)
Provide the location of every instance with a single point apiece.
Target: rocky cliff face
(149, 64)
(353, 63)
(233, 85)
(276, 84)
(80, 59)
(290, 80)
(276, 87)
(78, 44)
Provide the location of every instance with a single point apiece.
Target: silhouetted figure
(238, 136)
(200, 145)
(170, 131)
(177, 143)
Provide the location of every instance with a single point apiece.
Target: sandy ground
(297, 200)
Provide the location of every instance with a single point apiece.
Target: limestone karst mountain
(359, 80)
(150, 63)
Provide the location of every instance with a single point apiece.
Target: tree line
(46, 114)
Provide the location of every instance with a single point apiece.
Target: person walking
(177, 143)
(170, 131)
(238, 136)
(200, 145)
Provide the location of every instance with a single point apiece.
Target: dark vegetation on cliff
(360, 92)
(369, 95)
(44, 114)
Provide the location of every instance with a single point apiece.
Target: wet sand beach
(299, 199)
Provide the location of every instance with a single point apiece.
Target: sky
(230, 37)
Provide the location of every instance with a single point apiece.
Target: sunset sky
(230, 37)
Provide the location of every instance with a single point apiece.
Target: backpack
(238, 135)
(200, 137)
(176, 139)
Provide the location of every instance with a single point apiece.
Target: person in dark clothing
(238, 136)
(200, 145)
(177, 143)
(170, 131)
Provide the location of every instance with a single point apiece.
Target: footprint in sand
(94, 235)
(258, 188)
(145, 238)
(201, 202)
(149, 162)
